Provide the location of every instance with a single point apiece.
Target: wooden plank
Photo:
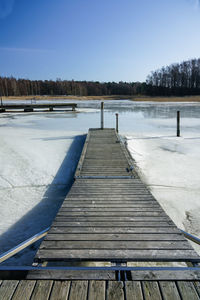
(108, 192)
(197, 286)
(125, 194)
(117, 194)
(115, 290)
(111, 195)
(60, 290)
(110, 201)
(79, 206)
(117, 183)
(109, 181)
(106, 188)
(110, 209)
(24, 290)
(116, 224)
(115, 229)
(103, 192)
(127, 245)
(113, 162)
(187, 290)
(117, 213)
(165, 275)
(63, 220)
(78, 290)
(133, 290)
(42, 290)
(120, 186)
(112, 186)
(116, 255)
(169, 290)
(115, 237)
(97, 290)
(80, 163)
(7, 289)
(151, 290)
(131, 199)
(71, 274)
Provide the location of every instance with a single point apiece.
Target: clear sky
(100, 40)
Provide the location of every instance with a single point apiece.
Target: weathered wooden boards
(118, 220)
(98, 290)
(110, 215)
(104, 155)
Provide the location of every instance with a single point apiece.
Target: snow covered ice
(39, 153)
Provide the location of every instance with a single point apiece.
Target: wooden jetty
(108, 223)
(110, 215)
(30, 107)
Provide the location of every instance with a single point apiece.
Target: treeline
(178, 79)
(174, 80)
(10, 86)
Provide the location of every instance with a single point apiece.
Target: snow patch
(170, 166)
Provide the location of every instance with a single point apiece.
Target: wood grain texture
(169, 290)
(133, 290)
(7, 289)
(115, 229)
(179, 245)
(151, 290)
(24, 290)
(78, 290)
(117, 255)
(115, 237)
(187, 290)
(197, 286)
(71, 274)
(97, 290)
(42, 290)
(115, 290)
(60, 290)
(165, 275)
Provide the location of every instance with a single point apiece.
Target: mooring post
(117, 128)
(178, 123)
(102, 107)
(2, 109)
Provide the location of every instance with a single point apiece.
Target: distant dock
(33, 106)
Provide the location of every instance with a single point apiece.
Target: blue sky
(104, 40)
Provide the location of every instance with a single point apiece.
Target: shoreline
(100, 98)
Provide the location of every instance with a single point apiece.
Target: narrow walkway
(110, 215)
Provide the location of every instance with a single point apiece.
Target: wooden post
(178, 123)
(2, 109)
(102, 107)
(117, 129)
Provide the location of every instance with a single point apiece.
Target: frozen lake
(39, 152)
